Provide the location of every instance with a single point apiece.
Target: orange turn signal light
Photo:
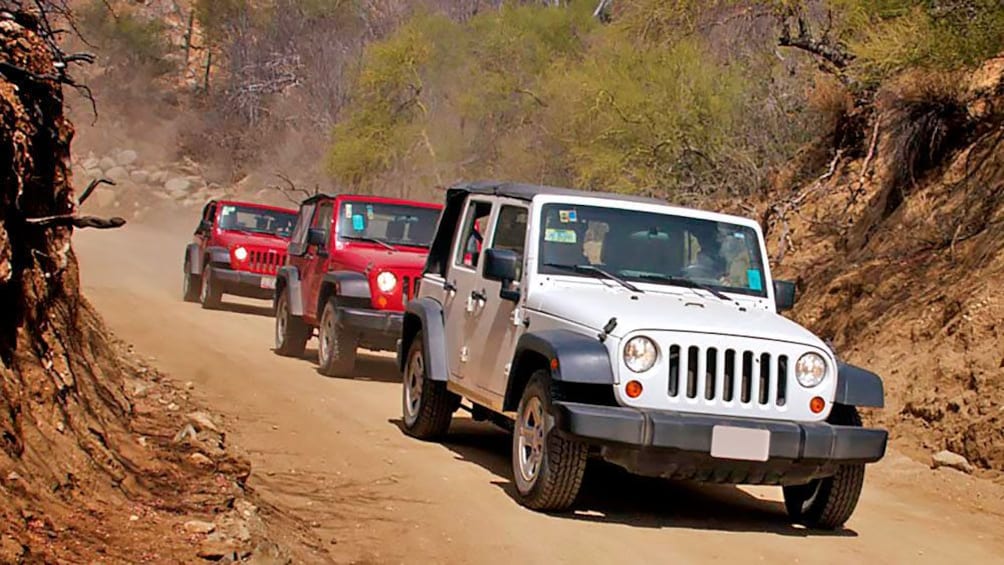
(554, 364)
(382, 301)
(633, 389)
(817, 404)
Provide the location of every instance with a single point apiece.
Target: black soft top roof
(527, 192)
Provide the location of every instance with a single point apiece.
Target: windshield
(396, 224)
(256, 220)
(651, 248)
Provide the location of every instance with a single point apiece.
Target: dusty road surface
(330, 451)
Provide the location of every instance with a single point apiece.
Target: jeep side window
(510, 232)
(322, 219)
(471, 239)
(298, 240)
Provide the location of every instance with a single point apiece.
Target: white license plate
(268, 282)
(747, 444)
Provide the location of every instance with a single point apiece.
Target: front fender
(425, 315)
(193, 259)
(350, 286)
(580, 358)
(858, 387)
(288, 278)
(218, 256)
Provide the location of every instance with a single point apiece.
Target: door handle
(479, 295)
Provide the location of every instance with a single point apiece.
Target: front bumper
(377, 329)
(679, 445)
(243, 283)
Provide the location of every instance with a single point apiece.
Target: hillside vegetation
(864, 134)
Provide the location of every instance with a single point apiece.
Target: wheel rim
(413, 382)
(530, 444)
(280, 322)
(327, 337)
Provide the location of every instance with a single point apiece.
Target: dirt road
(330, 451)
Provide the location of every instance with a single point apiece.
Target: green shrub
(134, 40)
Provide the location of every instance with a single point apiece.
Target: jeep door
(465, 277)
(494, 330)
(312, 264)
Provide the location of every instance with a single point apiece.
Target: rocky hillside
(900, 256)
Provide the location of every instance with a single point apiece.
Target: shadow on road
(612, 495)
(264, 311)
(369, 367)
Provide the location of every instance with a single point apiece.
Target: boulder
(127, 157)
(91, 163)
(117, 174)
(107, 163)
(140, 176)
(203, 421)
(952, 461)
(177, 185)
(199, 527)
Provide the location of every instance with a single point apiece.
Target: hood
(233, 239)
(404, 259)
(683, 311)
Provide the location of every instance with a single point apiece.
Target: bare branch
(90, 188)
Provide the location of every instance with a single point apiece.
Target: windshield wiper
(681, 281)
(369, 240)
(596, 270)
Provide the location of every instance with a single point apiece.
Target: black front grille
(760, 378)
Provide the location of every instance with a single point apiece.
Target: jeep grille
(409, 288)
(729, 375)
(265, 261)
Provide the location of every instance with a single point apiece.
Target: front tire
(291, 334)
(547, 468)
(336, 351)
(428, 406)
(190, 288)
(209, 295)
(829, 502)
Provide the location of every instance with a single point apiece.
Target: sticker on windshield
(229, 210)
(753, 279)
(369, 212)
(358, 224)
(739, 235)
(348, 210)
(567, 216)
(559, 236)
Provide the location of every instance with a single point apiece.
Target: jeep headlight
(640, 353)
(240, 254)
(386, 282)
(810, 370)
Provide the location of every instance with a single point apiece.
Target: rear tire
(547, 468)
(209, 295)
(336, 351)
(829, 502)
(428, 406)
(190, 284)
(291, 334)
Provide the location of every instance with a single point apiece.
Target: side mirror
(317, 237)
(784, 295)
(204, 226)
(503, 265)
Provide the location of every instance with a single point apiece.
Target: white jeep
(644, 334)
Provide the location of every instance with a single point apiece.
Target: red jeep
(237, 249)
(353, 263)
